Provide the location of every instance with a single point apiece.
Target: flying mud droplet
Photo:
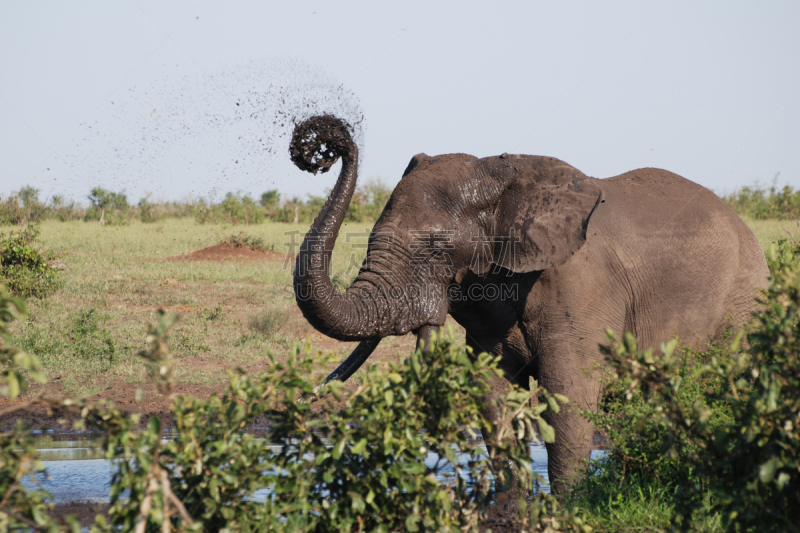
(189, 133)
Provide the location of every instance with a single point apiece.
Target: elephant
(535, 260)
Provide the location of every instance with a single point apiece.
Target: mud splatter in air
(200, 134)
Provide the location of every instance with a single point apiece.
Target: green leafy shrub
(635, 484)
(111, 207)
(785, 252)
(235, 208)
(253, 242)
(305, 211)
(148, 211)
(637, 438)
(368, 201)
(22, 509)
(63, 211)
(18, 508)
(759, 203)
(270, 200)
(16, 363)
(25, 269)
(367, 204)
(23, 206)
(89, 340)
(747, 461)
(11, 213)
(357, 465)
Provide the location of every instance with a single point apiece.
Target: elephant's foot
(566, 465)
(503, 513)
(568, 457)
(508, 487)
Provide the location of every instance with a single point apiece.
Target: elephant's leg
(509, 492)
(568, 456)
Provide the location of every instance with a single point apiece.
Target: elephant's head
(448, 215)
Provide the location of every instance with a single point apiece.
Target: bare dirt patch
(123, 395)
(228, 252)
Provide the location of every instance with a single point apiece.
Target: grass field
(233, 313)
(769, 231)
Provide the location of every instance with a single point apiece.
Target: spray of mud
(202, 135)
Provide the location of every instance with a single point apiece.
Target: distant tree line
(763, 203)
(114, 208)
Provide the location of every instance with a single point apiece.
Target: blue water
(76, 479)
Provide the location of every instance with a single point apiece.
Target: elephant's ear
(542, 216)
(416, 160)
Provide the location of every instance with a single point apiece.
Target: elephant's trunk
(363, 311)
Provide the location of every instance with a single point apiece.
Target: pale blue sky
(705, 89)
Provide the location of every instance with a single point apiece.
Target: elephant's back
(642, 189)
(689, 259)
(655, 201)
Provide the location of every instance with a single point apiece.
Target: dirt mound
(228, 252)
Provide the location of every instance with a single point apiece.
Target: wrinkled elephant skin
(534, 259)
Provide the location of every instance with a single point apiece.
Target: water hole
(75, 469)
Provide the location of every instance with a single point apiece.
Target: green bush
(23, 206)
(367, 204)
(89, 340)
(644, 472)
(234, 209)
(25, 269)
(11, 213)
(745, 461)
(64, 211)
(111, 207)
(306, 211)
(15, 362)
(253, 242)
(18, 508)
(759, 203)
(148, 211)
(358, 464)
(270, 200)
(368, 201)
(635, 484)
(358, 467)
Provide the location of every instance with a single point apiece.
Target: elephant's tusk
(353, 362)
(348, 367)
(424, 336)
(362, 353)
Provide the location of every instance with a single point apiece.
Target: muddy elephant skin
(534, 259)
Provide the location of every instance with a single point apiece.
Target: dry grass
(232, 313)
(769, 231)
